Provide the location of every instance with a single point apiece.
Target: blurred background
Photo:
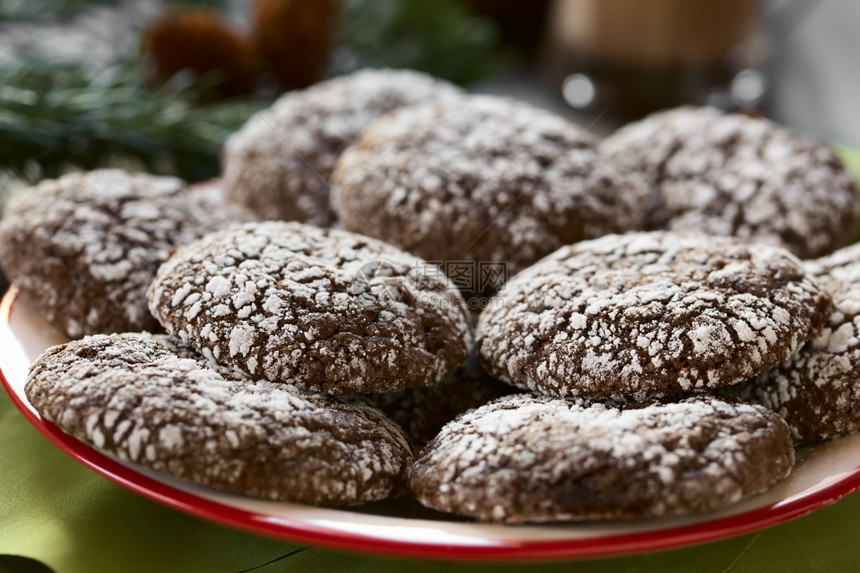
(158, 85)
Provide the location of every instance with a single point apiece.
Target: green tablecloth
(56, 511)
(65, 517)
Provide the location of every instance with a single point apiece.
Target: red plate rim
(500, 550)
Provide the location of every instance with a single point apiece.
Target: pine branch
(55, 114)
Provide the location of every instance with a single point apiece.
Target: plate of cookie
(822, 474)
(635, 358)
(78, 390)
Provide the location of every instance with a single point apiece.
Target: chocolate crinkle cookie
(150, 400)
(422, 412)
(325, 309)
(644, 147)
(85, 247)
(527, 458)
(484, 179)
(817, 389)
(649, 314)
(741, 176)
(279, 163)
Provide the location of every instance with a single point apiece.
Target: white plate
(823, 474)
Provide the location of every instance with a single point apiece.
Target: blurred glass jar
(633, 57)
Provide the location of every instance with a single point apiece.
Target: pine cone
(293, 36)
(198, 39)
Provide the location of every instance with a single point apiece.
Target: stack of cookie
(636, 370)
(318, 312)
(746, 177)
(817, 390)
(483, 182)
(269, 322)
(634, 347)
(617, 337)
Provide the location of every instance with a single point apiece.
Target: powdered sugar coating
(648, 314)
(279, 163)
(745, 177)
(85, 247)
(840, 267)
(648, 144)
(481, 178)
(644, 147)
(818, 388)
(150, 400)
(527, 458)
(325, 309)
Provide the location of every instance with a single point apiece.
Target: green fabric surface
(54, 510)
(850, 156)
(56, 515)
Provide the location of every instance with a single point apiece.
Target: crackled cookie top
(328, 310)
(527, 458)
(84, 247)
(750, 179)
(817, 389)
(481, 178)
(742, 176)
(840, 267)
(279, 163)
(645, 146)
(649, 314)
(150, 400)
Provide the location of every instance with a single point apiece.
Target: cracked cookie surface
(279, 163)
(327, 310)
(645, 147)
(528, 458)
(740, 176)
(150, 400)
(482, 178)
(649, 314)
(817, 390)
(84, 247)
